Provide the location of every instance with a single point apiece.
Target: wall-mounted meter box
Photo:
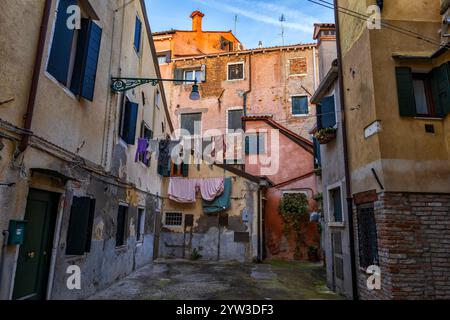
(16, 232)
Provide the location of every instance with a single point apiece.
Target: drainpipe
(345, 147)
(315, 68)
(245, 96)
(260, 226)
(28, 117)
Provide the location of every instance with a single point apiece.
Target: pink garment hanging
(182, 190)
(211, 188)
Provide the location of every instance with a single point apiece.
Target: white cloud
(304, 23)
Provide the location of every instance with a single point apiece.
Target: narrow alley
(200, 280)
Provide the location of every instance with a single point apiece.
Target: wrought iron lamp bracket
(125, 84)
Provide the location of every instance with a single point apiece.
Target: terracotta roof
(305, 143)
(319, 26)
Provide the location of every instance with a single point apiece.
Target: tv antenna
(235, 24)
(282, 21)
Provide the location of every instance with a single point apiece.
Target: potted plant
(325, 135)
(313, 253)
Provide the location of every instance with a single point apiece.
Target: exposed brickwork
(414, 247)
(298, 66)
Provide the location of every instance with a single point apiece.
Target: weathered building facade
(397, 100)
(236, 85)
(330, 166)
(70, 170)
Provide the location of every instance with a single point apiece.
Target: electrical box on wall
(16, 232)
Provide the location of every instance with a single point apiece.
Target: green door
(35, 253)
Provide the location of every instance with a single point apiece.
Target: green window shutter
(90, 226)
(405, 91)
(327, 108)
(441, 89)
(78, 226)
(178, 75)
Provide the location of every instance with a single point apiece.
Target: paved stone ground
(200, 280)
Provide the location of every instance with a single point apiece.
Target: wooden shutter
(178, 74)
(90, 226)
(317, 158)
(441, 89)
(319, 116)
(137, 34)
(203, 76)
(121, 223)
(78, 226)
(328, 117)
(59, 59)
(130, 122)
(86, 60)
(405, 91)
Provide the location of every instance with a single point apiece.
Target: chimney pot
(197, 17)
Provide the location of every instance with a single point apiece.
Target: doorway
(33, 262)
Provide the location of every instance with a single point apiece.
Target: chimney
(197, 17)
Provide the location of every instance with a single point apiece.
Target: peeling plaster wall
(205, 233)
(81, 135)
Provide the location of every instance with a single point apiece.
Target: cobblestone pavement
(200, 280)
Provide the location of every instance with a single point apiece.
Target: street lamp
(125, 84)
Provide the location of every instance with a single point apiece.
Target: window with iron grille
(367, 236)
(236, 71)
(173, 219)
(335, 205)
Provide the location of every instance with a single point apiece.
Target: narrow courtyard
(201, 280)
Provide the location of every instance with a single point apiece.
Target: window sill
(234, 80)
(428, 118)
(336, 224)
(121, 248)
(300, 115)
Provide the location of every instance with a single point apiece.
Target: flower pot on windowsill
(326, 135)
(318, 171)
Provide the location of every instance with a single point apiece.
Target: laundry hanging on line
(184, 190)
(221, 203)
(141, 149)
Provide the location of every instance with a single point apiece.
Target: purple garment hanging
(141, 149)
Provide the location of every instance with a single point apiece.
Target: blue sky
(258, 20)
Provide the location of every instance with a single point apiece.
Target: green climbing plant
(294, 211)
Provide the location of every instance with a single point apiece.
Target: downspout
(245, 96)
(315, 68)
(260, 226)
(28, 117)
(345, 147)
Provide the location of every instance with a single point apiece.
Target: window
(255, 144)
(146, 133)
(79, 233)
(74, 54)
(236, 71)
(326, 113)
(226, 44)
(298, 66)
(137, 35)
(424, 94)
(191, 123)
(367, 236)
(173, 219)
(140, 227)
(235, 119)
(195, 74)
(121, 225)
(164, 57)
(128, 120)
(300, 105)
(335, 205)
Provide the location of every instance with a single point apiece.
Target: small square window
(193, 75)
(236, 71)
(173, 219)
(300, 106)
